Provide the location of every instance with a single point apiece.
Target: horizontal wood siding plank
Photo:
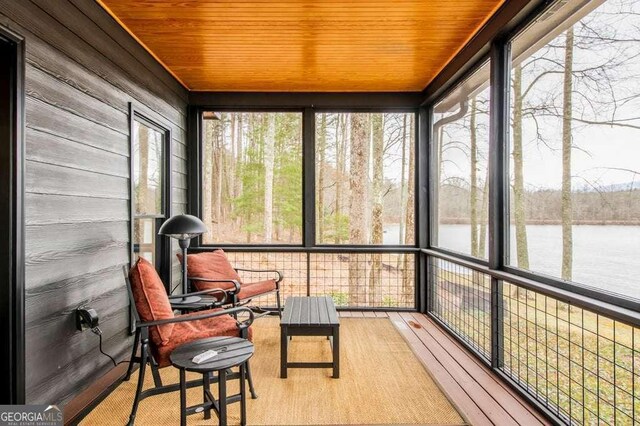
(54, 240)
(50, 119)
(60, 252)
(179, 196)
(46, 88)
(179, 181)
(179, 165)
(73, 342)
(45, 147)
(179, 148)
(57, 64)
(62, 386)
(73, 209)
(72, 292)
(44, 178)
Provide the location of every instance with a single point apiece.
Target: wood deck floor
(480, 396)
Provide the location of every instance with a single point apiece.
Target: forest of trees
(252, 178)
(252, 185)
(574, 134)
(364, 184)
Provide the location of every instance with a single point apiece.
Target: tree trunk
(567, 116)
(219, 160)
(482, 243)
(144, 197)
(142, 191)
(239, 158)
(208, 175)
(341, 156)
(439, 136)
(230, 173)
(473, 195)
(358, 180)
(522, 248)
(269, 154)
(403, 194)
(321, 150)
(375, 279)
(408, 276)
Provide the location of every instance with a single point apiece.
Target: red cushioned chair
(159, 331)
(212, 269)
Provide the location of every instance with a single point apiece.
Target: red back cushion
(151, 299)
(212, 265)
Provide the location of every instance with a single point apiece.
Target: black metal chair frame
(231, 295)
(142, 338)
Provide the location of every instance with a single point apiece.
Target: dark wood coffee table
(232, 352)
(310, 316)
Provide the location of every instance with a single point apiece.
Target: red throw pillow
(151, 299)
(213, 265)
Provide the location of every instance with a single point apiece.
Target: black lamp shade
(182, 227)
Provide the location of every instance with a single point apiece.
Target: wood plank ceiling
(303, 45)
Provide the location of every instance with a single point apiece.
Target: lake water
(604, 257)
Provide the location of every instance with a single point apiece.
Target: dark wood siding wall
(82, 71)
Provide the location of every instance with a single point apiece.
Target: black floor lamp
(183, 227)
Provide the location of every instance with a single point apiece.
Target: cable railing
(366, 278)
(577, 359)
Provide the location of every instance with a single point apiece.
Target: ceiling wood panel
(303, 45)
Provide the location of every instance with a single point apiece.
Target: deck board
(513, 403)
(480, 396)
(465, 405)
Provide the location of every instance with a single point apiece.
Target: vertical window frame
(163, 245)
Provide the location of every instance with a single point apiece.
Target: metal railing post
(498, 190)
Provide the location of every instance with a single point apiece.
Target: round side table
(232, 352)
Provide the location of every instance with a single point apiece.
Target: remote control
(204, 356)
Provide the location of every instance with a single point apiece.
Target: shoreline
(453, 221)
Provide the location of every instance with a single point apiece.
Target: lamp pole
(183, 227)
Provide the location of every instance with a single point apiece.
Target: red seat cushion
(152, 302)
(212, 265)
(188, 331)
(250, 290)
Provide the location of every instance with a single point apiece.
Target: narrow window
(150, 189)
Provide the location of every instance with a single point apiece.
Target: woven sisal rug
(381, 382)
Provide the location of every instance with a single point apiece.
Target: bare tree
(473, 193)
(403, 193)
(522, 249)
(567, 115)
(408, 278)
(357, 181)
(341, 165)
(208, 169)
(269, 150)
(375, 280)
(321, 152)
